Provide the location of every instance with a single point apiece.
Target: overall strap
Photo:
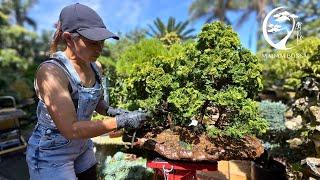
(72, 86)
(73, 73)
(69, 67)
(97, 72)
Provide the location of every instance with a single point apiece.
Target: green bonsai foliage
(314, 60)
(287, 68)
(110, 54)
(181, 81)
(170, 38)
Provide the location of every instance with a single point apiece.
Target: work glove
(132, 120)
(115, 111)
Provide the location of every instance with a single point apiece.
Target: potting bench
(10, 135)
(179, 170)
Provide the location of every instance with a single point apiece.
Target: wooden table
(9, 122)
(11, 113)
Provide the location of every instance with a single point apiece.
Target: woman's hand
(131, 120)
(110, 111)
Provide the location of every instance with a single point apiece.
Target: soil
(184, 144)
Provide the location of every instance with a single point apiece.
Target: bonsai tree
(185, 81)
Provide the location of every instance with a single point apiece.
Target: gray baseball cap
(85, 21)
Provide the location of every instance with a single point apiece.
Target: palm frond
(155, 33)
(187, 32)
(160, 26)
(159, 29)
(182, 27)
(171, 23)
(31, 22)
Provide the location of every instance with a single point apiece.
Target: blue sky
(125, 15)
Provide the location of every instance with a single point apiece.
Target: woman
(69, 89)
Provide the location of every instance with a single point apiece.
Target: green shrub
(119, 168)
(288, 68)
(277, 134)
(180, 81)
(273, 112)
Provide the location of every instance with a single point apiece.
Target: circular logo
(276, 23)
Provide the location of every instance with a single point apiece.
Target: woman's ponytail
(57, 38)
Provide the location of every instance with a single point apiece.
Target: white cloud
(119, 16)
(123, 16)
(130, 12)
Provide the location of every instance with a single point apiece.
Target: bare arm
(53, 89)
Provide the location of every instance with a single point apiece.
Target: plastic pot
(273, 171)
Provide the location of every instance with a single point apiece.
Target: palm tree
(211, 10)
(160, 30)
(216, 10)
(308, 12)
(309, 15)
(20, 10)
(257, 7)
(136, 35)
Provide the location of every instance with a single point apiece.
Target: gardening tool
(133, 136)
(126, 137)
(135, 131)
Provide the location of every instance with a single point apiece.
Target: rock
(292, 94)
(167, 145)
(177, 153)
(300, 104)
(213, 115)
(289, 114)
(315, 112)
(294, 124)
(295, 142)
(313, 165)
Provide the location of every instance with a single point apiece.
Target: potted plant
(211, 81)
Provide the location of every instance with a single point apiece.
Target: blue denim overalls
(49, 154)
